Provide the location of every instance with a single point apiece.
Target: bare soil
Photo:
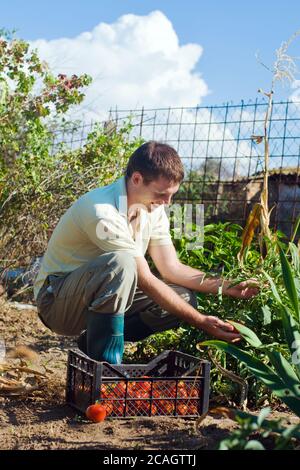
(42, 420)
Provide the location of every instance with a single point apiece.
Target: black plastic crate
(172, 384)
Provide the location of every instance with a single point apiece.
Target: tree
(38, 184)
(30, 98)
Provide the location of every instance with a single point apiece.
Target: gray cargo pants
(108, 284)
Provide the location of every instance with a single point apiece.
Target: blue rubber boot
(105, 337)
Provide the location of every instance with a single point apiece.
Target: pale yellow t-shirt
(97, 223)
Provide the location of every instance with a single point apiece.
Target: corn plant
(279, 371)
(283, 69)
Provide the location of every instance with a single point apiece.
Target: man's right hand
(219, 329)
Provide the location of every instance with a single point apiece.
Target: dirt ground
(44, 421)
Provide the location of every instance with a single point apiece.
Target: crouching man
(94, 281)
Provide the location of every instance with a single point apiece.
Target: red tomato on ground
(96, 413)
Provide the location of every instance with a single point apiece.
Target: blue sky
(230, 33)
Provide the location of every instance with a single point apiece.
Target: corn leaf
(289, 283)
(295, 230)
(285, 371)
(295, 256)
(274, 288)
(267, 314)
(247, 334)
(292, 334)
(266, 374)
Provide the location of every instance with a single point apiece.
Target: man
(94, 280)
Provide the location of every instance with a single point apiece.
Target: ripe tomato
(182, 391)
(140, 390)
(156, 392)
(164, 389)
(142, 406)
(158, 389)
(169, 406)
(187, 407)
(153, 410)
(96, 413)
(119, 390)
(118, 408)
(164, 407)
(145, 386)
(104, 391)
(182, 409)
(108, 405)
(194, 392)
(131, 389)
(193, 408)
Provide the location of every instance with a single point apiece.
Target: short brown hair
(155, 159)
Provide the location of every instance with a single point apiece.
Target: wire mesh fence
(223, 163)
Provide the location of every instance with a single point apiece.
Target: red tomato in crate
(131, 389)
(162, 389)
(118, 408)
(187, 407)
(182, 390)
(193, 410)
(114, 407)
(182, 409)
(153, 409)
(108, 405)
(139, 388)
(194, 392)
(113, 390)
(143, 407)
(157, 394)
(119, 389)
(164, 407)
(104, 391)
(169, 407)
(145, 385)
(96, 413)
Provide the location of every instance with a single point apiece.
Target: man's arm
(172, 270)
(170, 301)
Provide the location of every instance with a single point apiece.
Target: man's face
(157, 192)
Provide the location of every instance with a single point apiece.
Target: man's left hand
(243, 290)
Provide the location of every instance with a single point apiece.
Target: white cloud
(295, 96)
(136, 61)
(197, 134)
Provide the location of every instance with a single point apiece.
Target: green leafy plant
(222, 242)
(30, 93)
(31, 207)
(259, 433)
(39, 181)
(278, 369)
